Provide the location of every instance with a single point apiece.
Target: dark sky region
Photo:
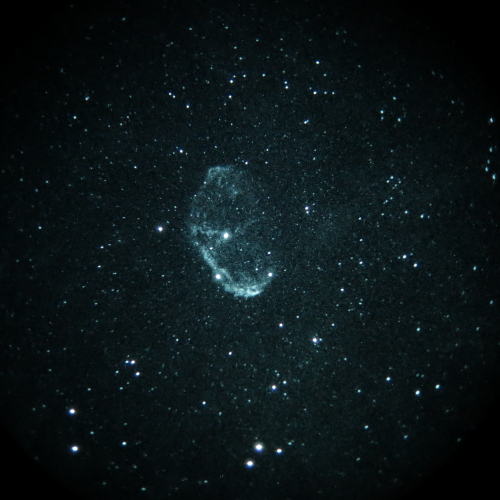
(249, 250)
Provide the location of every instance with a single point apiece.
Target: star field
(367, 360)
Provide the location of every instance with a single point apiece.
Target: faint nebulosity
(228, 224)
(249, 250)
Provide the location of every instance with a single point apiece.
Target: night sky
(362, 140)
